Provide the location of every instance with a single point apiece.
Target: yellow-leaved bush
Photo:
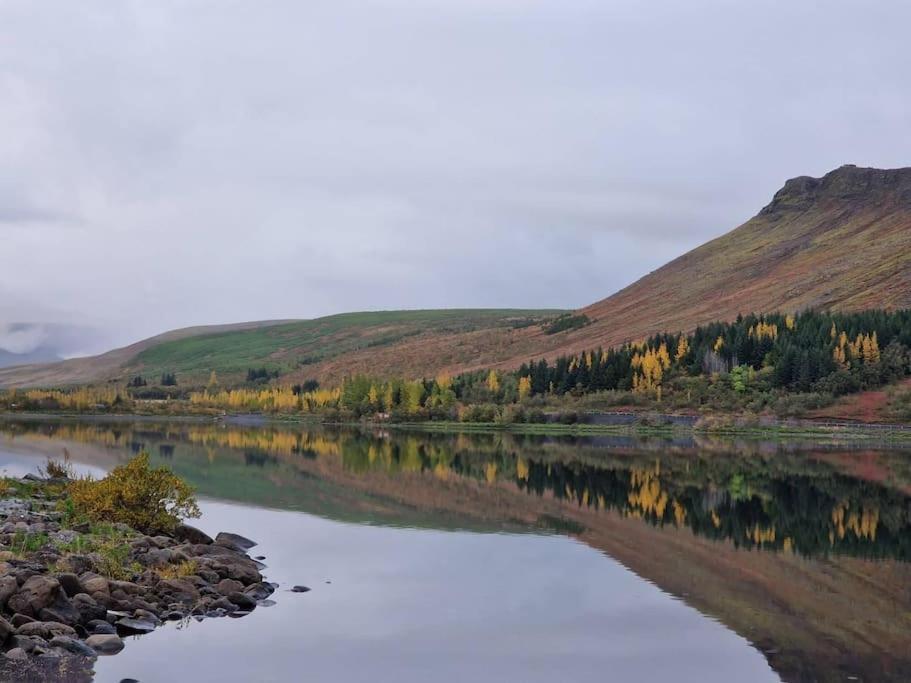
(148, 499)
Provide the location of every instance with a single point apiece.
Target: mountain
(839, 242)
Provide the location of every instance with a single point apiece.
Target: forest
(773, 363)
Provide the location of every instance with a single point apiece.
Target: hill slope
(838, 242)
(391, 342)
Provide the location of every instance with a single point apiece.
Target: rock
(260, 557)
(70, 584)
(178, 589)
(259, 591)
(92, 583)
(146, 615)
(236, 567)
(190, 534)
(28, 643)
(88, 607)
(127, 587)
(61, 610)
(242, 600)
(234, 541)
(6, 630)
(156, 557)
(100, 626)
(45, 629)
(105, 643)
(19, 619)
(224, 604)
(300, 589)
(266, 603)
(76, 647)
(226, 586)
(35, 594)
(135, 625)
(8, 586)
(16, 653)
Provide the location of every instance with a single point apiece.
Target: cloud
(175, 163)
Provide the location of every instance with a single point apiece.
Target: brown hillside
(841, 242)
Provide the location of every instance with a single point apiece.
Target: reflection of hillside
(686, 519)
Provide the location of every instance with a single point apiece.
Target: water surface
(500, 558)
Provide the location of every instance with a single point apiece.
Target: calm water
(500, 558)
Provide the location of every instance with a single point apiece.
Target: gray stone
(226, 586)
(61, 610)
(105, 643)
(35, 594)
(190, 534)
(6, 630)
(16, 653)
(234, 541)
(242, 600)
(8, 586)
(70, 584)
(300, 589)
(136, 625)
(76, 647)
(100, 626)
(45, 629)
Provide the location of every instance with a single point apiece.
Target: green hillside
(291, 348)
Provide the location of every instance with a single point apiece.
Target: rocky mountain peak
(846, 183)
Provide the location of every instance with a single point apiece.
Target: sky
(165, 164)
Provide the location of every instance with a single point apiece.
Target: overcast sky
(164, 164)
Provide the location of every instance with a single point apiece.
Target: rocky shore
(70, 593)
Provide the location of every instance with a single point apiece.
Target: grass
(289, 347)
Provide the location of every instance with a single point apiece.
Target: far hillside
(407, 343)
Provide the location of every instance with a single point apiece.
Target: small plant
(24, 542)
(178, 571)
(58, 469)
(150, 500)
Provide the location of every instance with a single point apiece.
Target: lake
(495, 557)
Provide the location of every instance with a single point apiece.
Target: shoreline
(71, 591)
(634, 424)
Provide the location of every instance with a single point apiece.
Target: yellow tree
(493, 382)
(524, 388)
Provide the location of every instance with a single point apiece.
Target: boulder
(300, 589)
(16, 653)
(70, 584)
(45, 629)
(100, 626)
(72, 645)
(190, 534)
(259, 591)
(62, 610)
(177, 589)
(135, 625)
(226, 586)
(242, 600)
(6, 630)
(35, 594)
(8, 586)
(234, 541)
(127, 587)
(92, 583)
(19, 619)
(88, 607)
(105, 643)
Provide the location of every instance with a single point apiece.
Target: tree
(493, 382)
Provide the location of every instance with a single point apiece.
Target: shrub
(147, 499)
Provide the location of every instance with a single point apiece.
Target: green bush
(150, 500)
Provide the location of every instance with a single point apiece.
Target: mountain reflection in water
(802, 548)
